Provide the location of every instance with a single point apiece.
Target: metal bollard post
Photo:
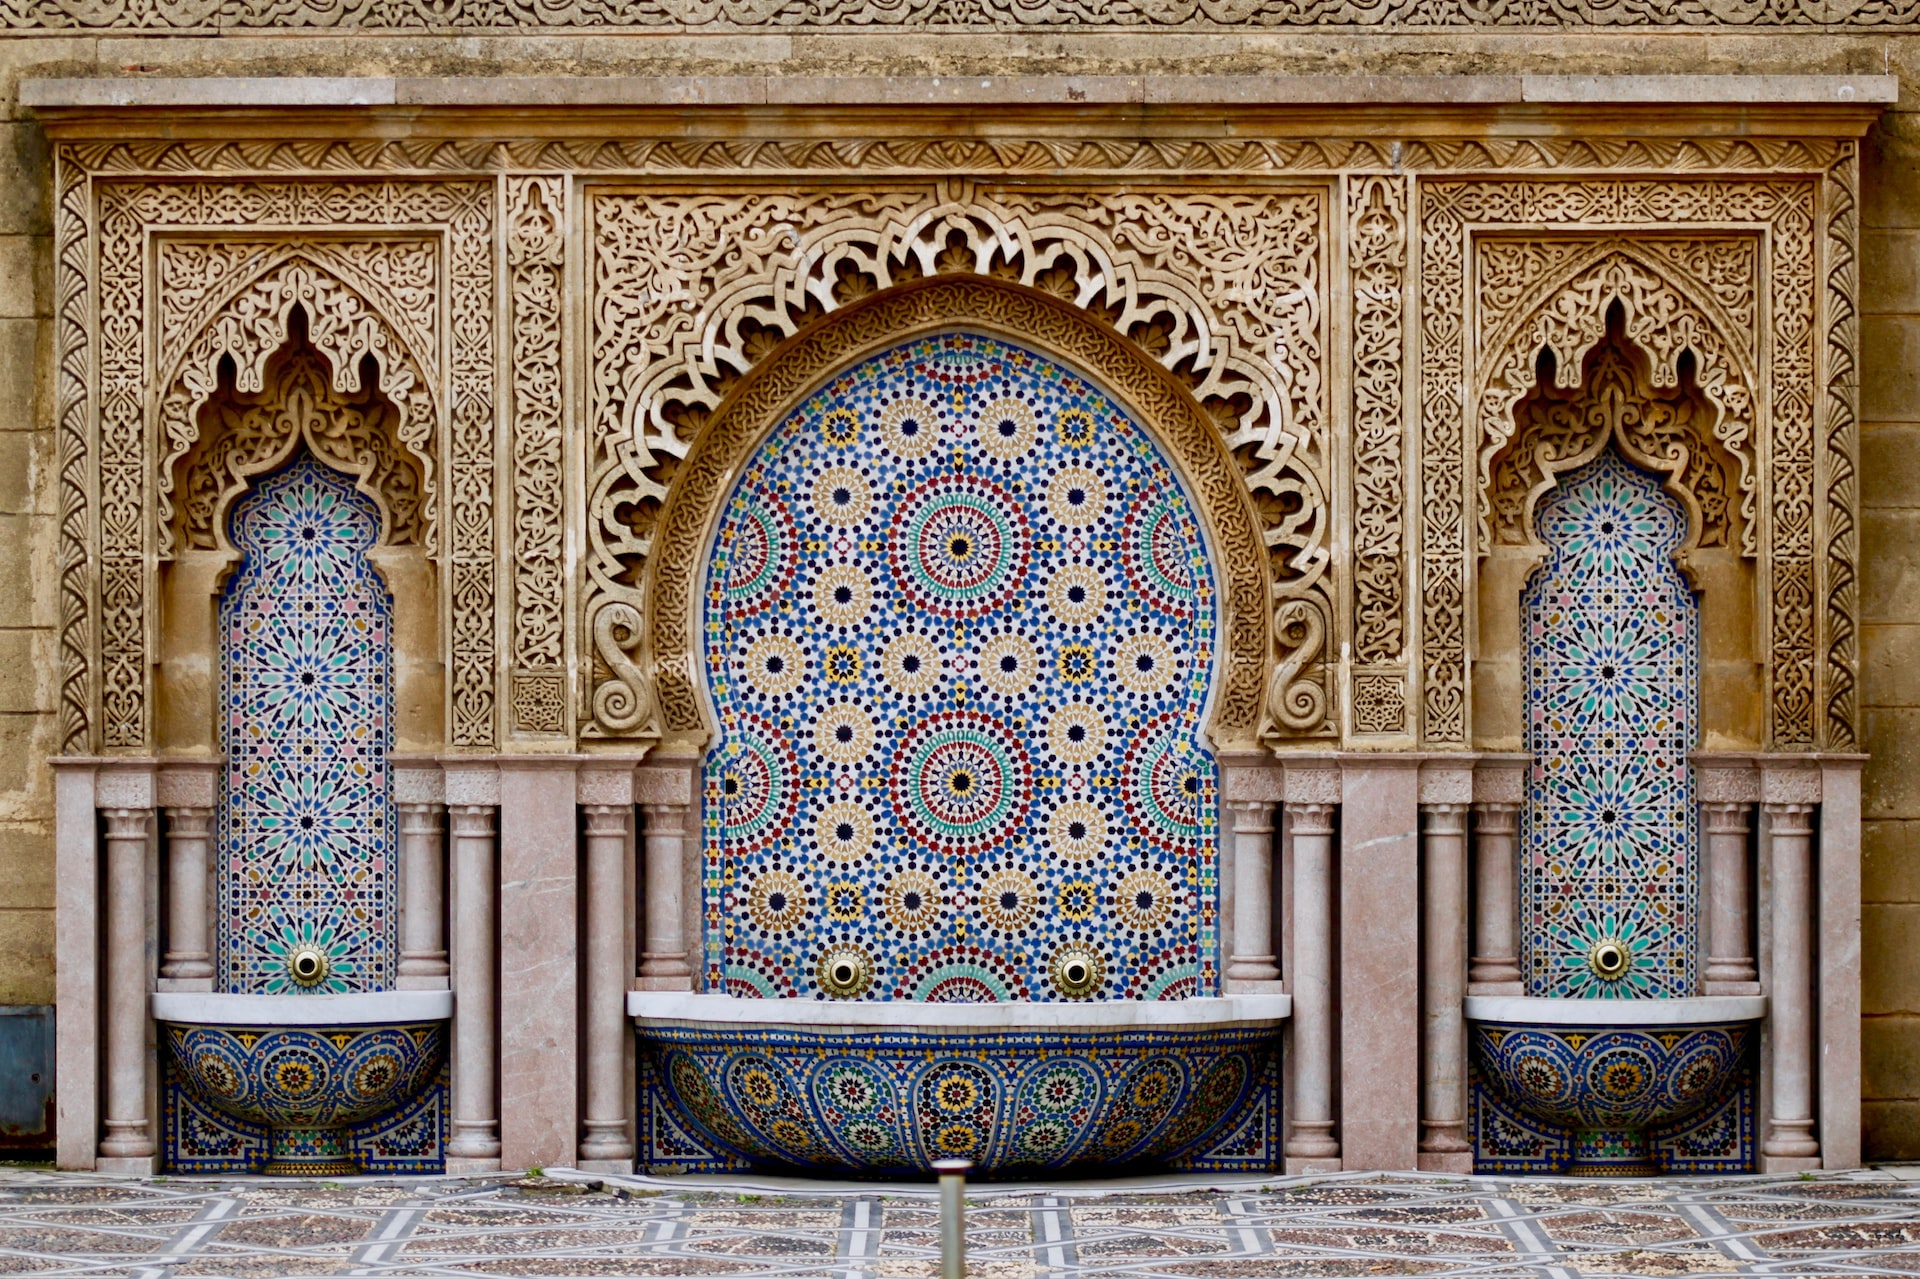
(953, 1216)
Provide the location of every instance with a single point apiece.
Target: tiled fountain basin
(1611, 1069)
(890, 1087)
(306, 1066)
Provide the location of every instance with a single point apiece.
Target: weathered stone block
(26, 459)
(26, 180)
(26, 865)
(1890, 464)
(1890, 1129)
(26, 276)
(1890, 653)
(19, 373)
(27, 559)
(26, 956)
(1890, 784)
(1889, 938)
(1890, 861)
(1890, 566)
(25, 743)
(1890, 187)
(1890, 368)
(1890, 1057)
(22, 671)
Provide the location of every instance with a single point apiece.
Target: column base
(1246, 986)
(1495, 988)
(404, 982)
(1305, 1165)
(469, 1166)
(200, 984)
(1460, 1161)
(619, 1167)
(127, 1165)
(664, 983)
(1789, 1163)
(1731, 987)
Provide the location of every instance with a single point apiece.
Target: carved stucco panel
(692, 288)
(130, 367)
(1540, 295)
(1454, 215)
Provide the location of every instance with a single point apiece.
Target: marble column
(473, 795)
(1444, 792)
(1788, 1143)
(666, 790)
(1495, 967)
(1379, 951)
(76, 970)
(1311, 797)
(127, 1144)
(606, 795)
(185, 793)
(1728, 786)
(1838, 980)
(421, 796)
(539, 964)
(1250, 790)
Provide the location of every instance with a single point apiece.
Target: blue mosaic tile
(1608, 836)
(306, 822)
(198, 1139)
(892, 1102)
(959, 631)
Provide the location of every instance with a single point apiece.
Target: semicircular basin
(888, 1087)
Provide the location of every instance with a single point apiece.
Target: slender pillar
(1495, 969)
(475, 1144)
(665, 793)
(1253, 958)
(127, 1146)
(1443, 1072)
(606, 795)
(1788, 1143)
(1838, 981)
(423, 912)
(1730, 968)
(186, 792)
(539, 963)
(1311, 1145)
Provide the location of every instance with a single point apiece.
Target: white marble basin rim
(368, 1008)
(1623, 1013)
(678, 1008)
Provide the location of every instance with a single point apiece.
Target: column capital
(187, 784)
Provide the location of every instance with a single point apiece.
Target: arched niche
(247, 425)
(665, 687)
(1656, 415)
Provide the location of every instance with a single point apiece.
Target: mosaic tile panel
(959, 629)
(1609, 845)
(892, 1102)
(306, 820)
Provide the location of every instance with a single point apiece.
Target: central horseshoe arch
(670, 652)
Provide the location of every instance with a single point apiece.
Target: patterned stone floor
(1355, 1225)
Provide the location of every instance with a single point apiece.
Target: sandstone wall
(1891, 364)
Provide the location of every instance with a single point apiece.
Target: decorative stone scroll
(692, 288)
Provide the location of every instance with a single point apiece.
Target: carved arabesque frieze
(1739, 236)
(692, 288)
(234, 301)
(1558, 298)
(1377, 230)
(536, 262)
(977, 16)
(351, 313)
